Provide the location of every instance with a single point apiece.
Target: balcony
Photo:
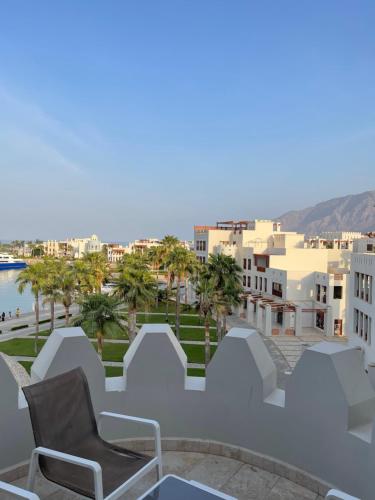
(261, 269)
(235, 429)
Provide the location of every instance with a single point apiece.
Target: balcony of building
(234, 429)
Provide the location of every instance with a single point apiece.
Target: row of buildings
(76, 247)
(294, 285)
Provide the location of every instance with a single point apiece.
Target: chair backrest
(61, 410)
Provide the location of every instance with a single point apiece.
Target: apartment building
(72, 247)
(289, 287)
(115, 252)
(361, 302)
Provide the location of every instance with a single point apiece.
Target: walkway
(243, 481)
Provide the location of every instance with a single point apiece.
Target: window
(370, 247)
(362, 325)
(265, 284)
(249, 264)
(200, 245)
(256, 282)
(337, 292)
(244, 280)
(324, 294)
(277, 289)
(244, 263)
(318, 293)
(260, 283)
(363, 287)
(249, 281)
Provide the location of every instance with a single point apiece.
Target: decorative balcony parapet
(322, 423)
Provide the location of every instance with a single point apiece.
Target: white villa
(290, 286)
(73, 247)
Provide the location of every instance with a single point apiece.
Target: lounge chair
(69, 449)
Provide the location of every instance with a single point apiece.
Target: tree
(180, 262)
(155, 256)
(51, 285)
(85, 280)
(206, 293)
(101, 314)
(225, 274)
(67, 287)
(97, 266)
(33, 276)
(168, 244)
(136, 286)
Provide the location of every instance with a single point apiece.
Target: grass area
(185, 308)
(195, 353)
(113, 352)
(113, 371)
(196, 372)
(114, 332)
(20, 347)
(26, 365)
(160, 318)
(195, 334)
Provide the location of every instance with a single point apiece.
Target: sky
(141, 118)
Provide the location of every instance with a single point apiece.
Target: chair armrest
(19, 492)
(72, 459)
(339, 495)
(138, 420)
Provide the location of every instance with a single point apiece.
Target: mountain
(355, 212)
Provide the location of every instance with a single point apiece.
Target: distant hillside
(350, 213)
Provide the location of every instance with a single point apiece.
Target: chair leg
(32, 471)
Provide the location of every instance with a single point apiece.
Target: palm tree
(100, 313)
(33, 275)
(51, 285)
(136, 286)
(97, 267)
(67, 287)
(205, 290)
(155, 256)
(180, 263)
(168, 244)
(225, 273)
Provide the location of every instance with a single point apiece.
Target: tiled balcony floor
(236, 478)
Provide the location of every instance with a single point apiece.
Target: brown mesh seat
(63, 419)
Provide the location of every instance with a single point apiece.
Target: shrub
(18, 327)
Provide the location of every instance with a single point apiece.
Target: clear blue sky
(140, 118)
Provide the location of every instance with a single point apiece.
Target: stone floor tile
(214, 471)
(250, 483)
(180, 462)
(286, 490)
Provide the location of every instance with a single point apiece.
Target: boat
(7, 261)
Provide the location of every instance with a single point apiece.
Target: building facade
(73, 247)
(361, 303)
(290, 288)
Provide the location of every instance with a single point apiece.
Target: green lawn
(26, 365)
(195, 334)
(113, 352)
(172, 306)
(196, 372)
(20, 347)
(113, 371)
(160, 318)
(195, 353)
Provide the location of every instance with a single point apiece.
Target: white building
(288, 288)
(73, 247)
(361, 302)
(340, 240)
